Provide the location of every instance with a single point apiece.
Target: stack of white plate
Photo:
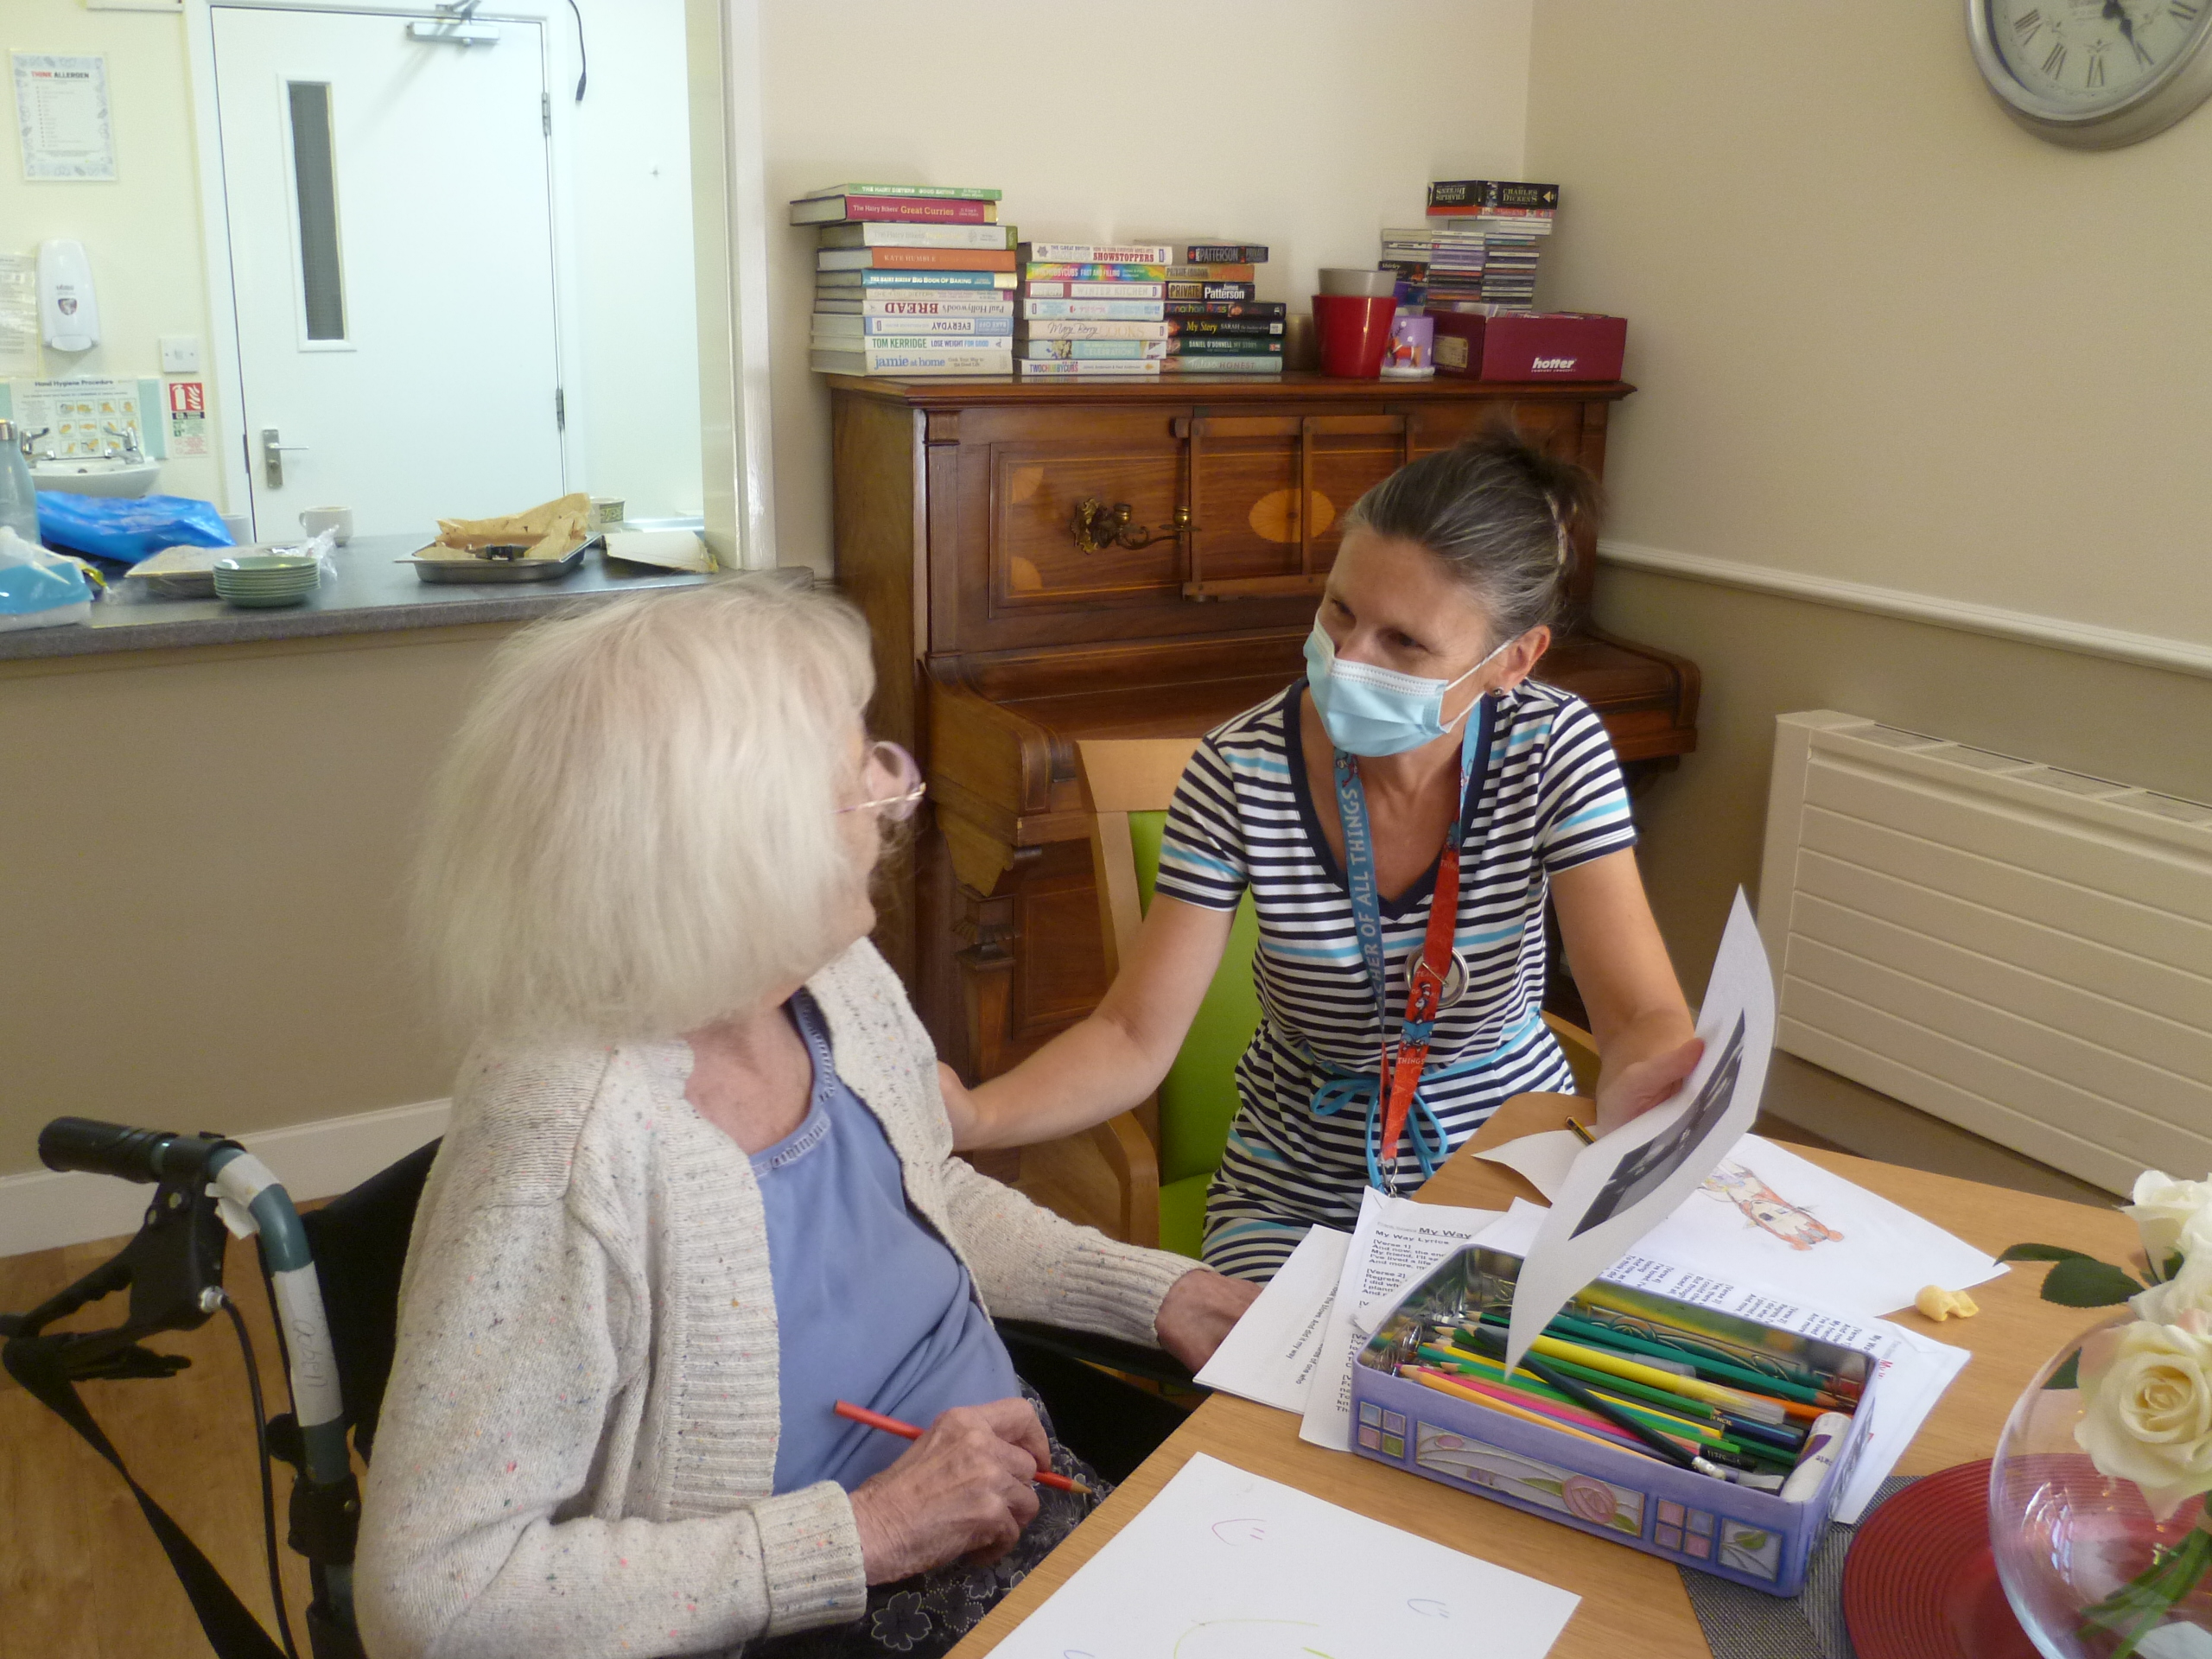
(262, 581)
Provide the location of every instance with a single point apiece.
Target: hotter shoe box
(1530, 345)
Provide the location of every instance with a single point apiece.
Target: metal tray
(475, 571)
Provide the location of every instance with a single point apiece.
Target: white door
(391, 246)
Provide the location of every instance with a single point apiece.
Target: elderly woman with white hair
(699, 1187)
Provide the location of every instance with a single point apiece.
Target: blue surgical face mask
(1375, 711)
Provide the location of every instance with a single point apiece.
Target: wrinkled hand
(964, 1488)
(1198, 1311)
(1650, 1081)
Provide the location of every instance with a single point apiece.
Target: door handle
(272, 456)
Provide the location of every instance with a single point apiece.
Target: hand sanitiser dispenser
(69, 314)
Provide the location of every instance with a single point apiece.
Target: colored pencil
(1444, 1384)
(1698, 1435)
(907, 1432)
(1581, 1133)
(1713, 1370)
(1603, 1295)
(1557, 1410)
(1757, 1408)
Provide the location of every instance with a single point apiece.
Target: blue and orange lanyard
(1401, 1062)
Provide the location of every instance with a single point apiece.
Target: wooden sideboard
(1048, 561)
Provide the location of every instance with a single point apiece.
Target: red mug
(1354, 333)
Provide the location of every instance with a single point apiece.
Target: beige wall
(1883, 333)
(1880, 334)
(200, 927)
(141, 232)
(1306, 125)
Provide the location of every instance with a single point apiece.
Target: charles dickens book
(1477, 195)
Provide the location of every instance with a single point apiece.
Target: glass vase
(2090, 1573)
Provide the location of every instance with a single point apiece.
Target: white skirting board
(47, 1208)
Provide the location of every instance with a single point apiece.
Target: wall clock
(2093, 73)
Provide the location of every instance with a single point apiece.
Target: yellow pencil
(1758, 1407)
(1668, 1421)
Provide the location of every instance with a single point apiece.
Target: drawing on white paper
(1642, 1171)
(1244, 1529)
(1256, 1638)
(1766, 1209)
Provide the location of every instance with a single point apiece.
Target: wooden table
(1631, 1601)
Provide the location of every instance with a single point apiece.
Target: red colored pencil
(908, 1431)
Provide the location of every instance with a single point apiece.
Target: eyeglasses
(896, 777)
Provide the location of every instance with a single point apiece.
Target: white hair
(634, 832)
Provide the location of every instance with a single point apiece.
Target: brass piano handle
(1095, 526)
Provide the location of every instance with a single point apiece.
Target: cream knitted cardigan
(576, 1451)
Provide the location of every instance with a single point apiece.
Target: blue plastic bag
(129, 528)
(39, 588)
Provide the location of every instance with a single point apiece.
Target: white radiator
(2024, 952)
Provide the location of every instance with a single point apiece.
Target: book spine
(1234, 346)
(913, 259)
(916, 211)
(1236, 328)
(1126, 310)
(944, 305)
(1221, 366)
(926, 362)
(1208, 291)
(1082, 328)
(1473, 195)
(1224, 253)
(1274, 310)
(1091, 350)
(993, 326)
(845, 279)
(1054, 290)
(1049, 370)
(877, 345)
(1109, 253)
(1062, 270)
(963, 192)
(1221, 273)
(886, 234)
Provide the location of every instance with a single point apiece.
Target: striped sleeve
(1582, 809)
(1202, 858)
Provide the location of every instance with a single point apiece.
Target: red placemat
(1920, 1583)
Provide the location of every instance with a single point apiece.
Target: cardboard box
(1733, 1532)
(1530, 345)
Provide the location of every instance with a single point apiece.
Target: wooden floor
(80, 1574)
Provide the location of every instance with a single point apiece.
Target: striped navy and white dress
(1243, 817)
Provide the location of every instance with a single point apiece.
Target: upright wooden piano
(1046, 562)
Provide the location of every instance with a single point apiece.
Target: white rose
(2146, 1410)
(2185, 1299)
(2162, 1208)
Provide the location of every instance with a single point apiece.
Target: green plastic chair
(1165, 1152)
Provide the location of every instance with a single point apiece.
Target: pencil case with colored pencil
(1710, 1440)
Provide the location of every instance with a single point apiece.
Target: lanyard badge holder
(1437, 977)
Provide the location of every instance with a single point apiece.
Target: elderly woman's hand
(964, 1488)
(1197, 1313)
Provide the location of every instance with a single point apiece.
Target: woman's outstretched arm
(1118, 1055)
(1646, 1042)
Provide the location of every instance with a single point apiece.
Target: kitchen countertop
(370, 594)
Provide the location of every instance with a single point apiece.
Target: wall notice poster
(187, 417)
(61, 111)
(18, 314)
(81, 415)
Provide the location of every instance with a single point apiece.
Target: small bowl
(258, 563)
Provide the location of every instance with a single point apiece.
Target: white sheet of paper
(1225, 1565)
(1270, 1353)
(1395, 1242)
(1542, 1160)
(1783, 1220)
(1631, 1180)
(1915, 1369)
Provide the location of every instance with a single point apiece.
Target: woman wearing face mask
(1398, 816)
